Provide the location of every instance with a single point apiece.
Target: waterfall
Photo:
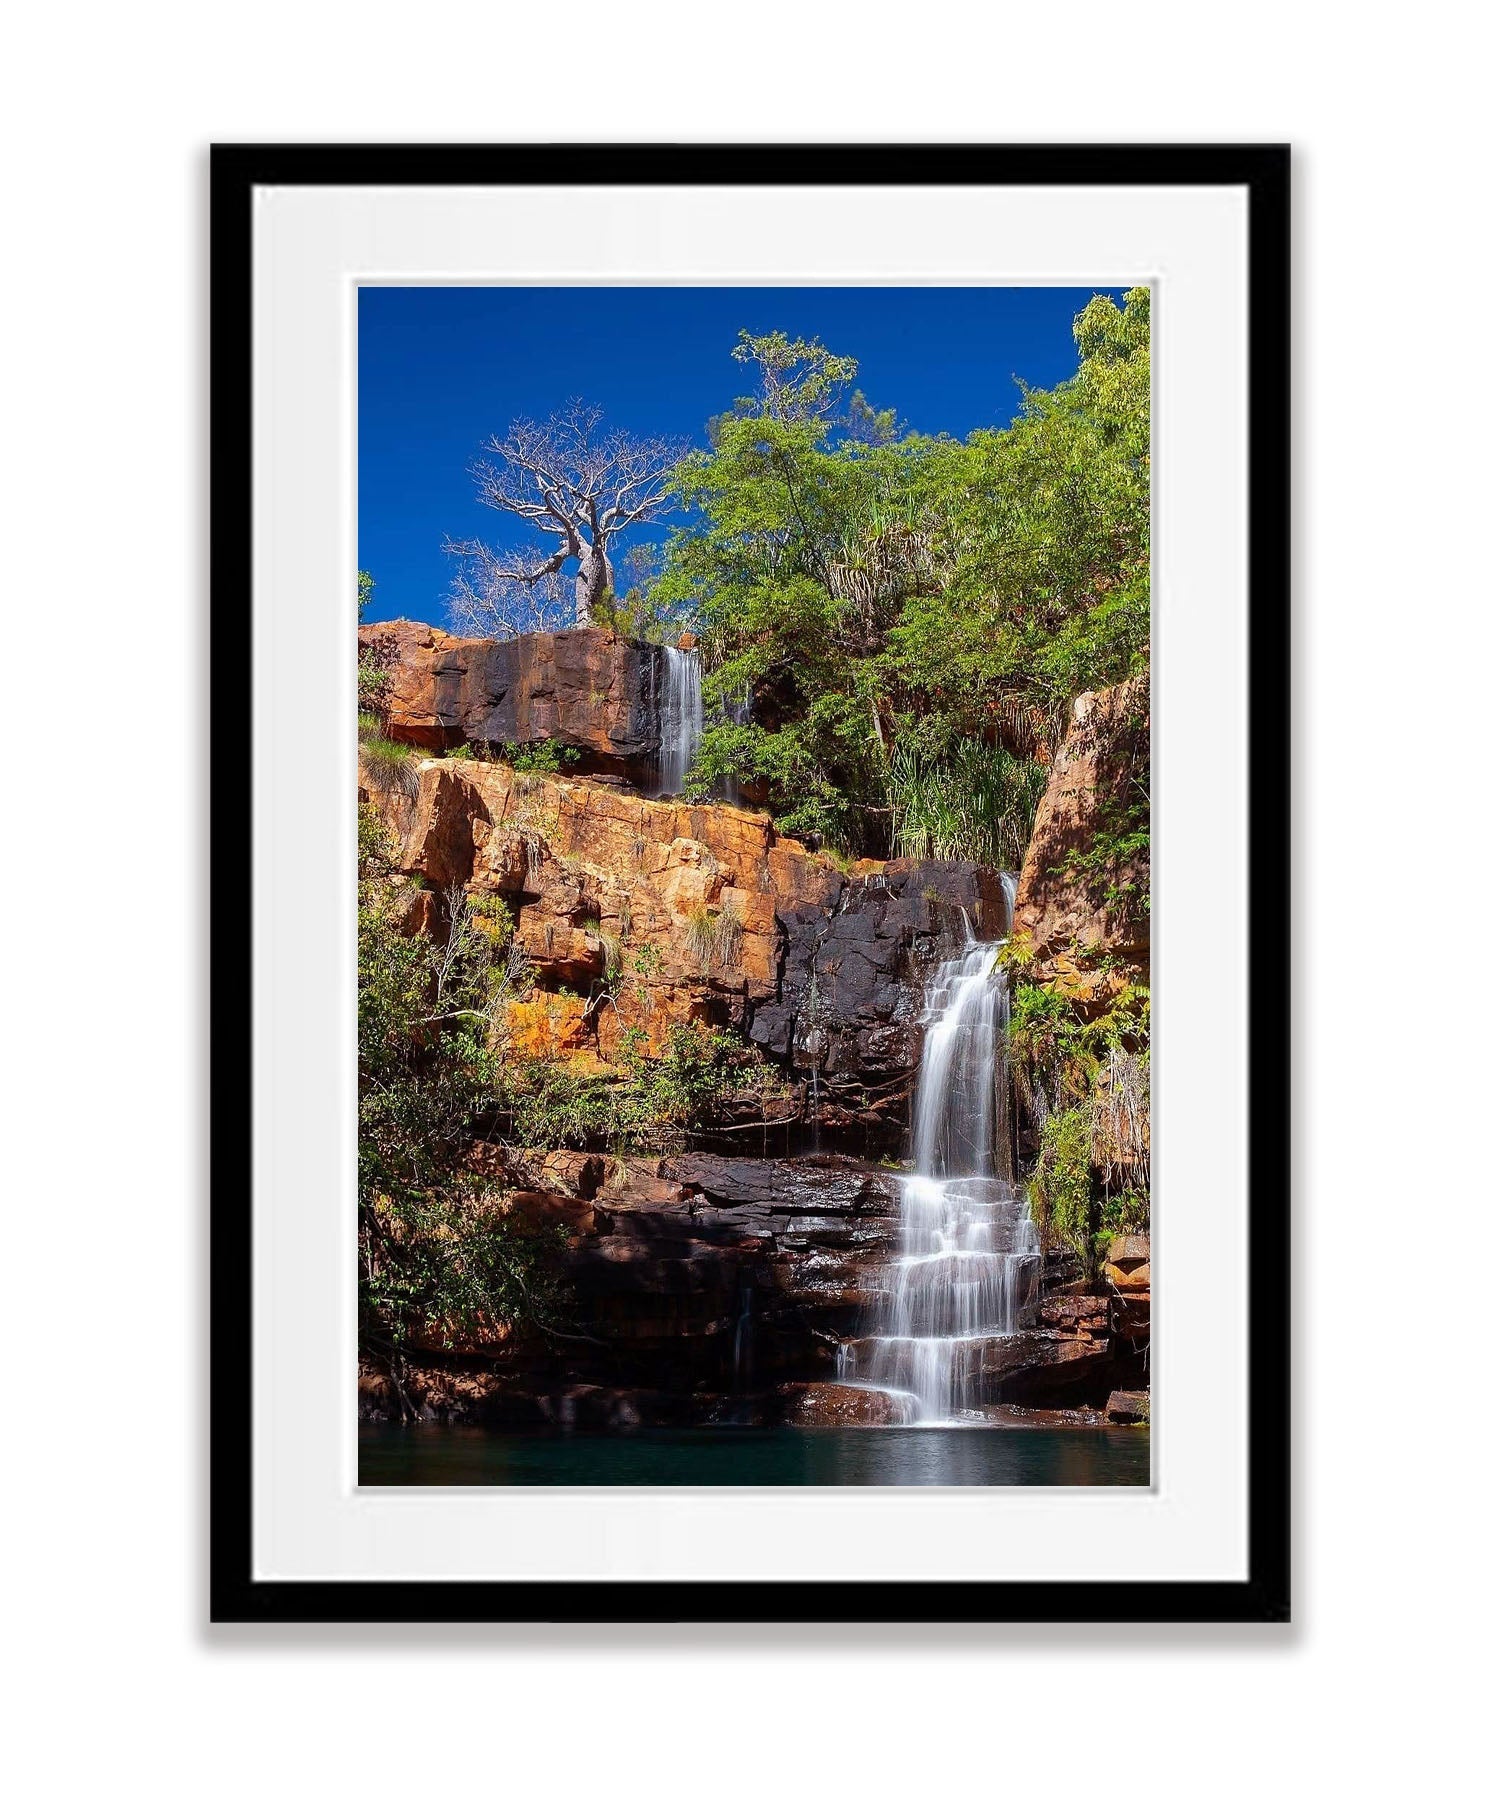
(679, 718)
(969, 1261)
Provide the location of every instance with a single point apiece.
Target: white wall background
(1381, 1687)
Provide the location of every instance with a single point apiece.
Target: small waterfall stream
(968, 1268)
(679, 717)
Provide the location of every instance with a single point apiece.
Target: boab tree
(575, 483)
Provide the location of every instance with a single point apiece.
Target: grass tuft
(386, 767)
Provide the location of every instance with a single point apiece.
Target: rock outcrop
(654, 914)
(1080, 901)
(592, 692)
(1127, 1271)
(707, 1288)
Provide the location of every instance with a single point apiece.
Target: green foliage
(550, 1107)
(661, 1100)
(887, 595)
(1046, 1026)
(646, 960)
(642, 611)
(1127, 1211)
(386, 767)
(1060, 1189)
(656, 1103)
(1084, 1078)
(438, 1253)
(979, 802)
(371, 680)
(365, 591)
(546, 758)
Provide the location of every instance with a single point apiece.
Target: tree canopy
(893, 624)
(886, 597)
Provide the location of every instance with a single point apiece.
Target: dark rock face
(695, 1286)
(590, 691)
(852, 973)
(727, 1273)
(703, 1288)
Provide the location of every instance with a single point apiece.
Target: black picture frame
(1263, 171)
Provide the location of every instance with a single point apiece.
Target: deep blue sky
(441, 369)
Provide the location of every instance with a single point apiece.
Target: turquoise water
(1047, 1456)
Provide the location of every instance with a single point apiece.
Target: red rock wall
(590, 691)
(1074, 906)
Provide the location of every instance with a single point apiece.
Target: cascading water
(969, 1264)
(679, 718)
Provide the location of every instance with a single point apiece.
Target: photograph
(726, 1051)
(754, 885)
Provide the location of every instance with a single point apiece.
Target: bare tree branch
(574, 483)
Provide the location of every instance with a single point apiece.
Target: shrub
(1060, 1189)
(438, 1254)
(546, 758)
(657, 1103)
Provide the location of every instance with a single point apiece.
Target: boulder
(1128, 1409)
(1127, 1263)
(1130, 1248)
(837, 1403)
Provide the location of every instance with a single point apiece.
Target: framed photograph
(750, 1070)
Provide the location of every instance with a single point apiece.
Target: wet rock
(836, 1403)
(1044, 1368)
(1128, 1409)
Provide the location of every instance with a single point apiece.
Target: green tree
(890, 599)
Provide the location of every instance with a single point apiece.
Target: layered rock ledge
(711, 916)
(718, 1289)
